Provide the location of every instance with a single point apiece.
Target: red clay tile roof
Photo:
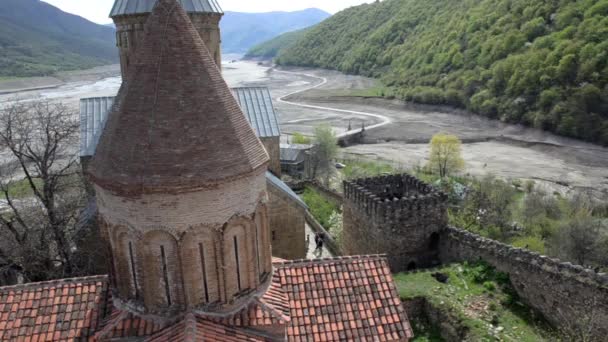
(63, 310)
(343, 299)
(176, 125)
(193, 329)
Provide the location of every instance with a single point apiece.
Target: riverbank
(24, 84)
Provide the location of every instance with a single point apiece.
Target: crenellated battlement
(398, 215)
(394, 197)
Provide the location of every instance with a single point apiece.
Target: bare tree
(41, 188)
(581, 240)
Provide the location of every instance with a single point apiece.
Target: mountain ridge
(542, 63)
(38, 39)
(241, 30)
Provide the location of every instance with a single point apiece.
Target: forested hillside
(542, 63)
(37, 39)
(271, 48)
(241, 31)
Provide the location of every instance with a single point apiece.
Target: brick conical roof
(176, 126)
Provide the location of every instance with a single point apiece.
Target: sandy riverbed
(505, 150)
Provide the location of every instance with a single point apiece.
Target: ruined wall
(287, 225)
(396, 215)
(564, 293)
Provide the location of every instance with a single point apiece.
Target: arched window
(163, 284)
(126, 264)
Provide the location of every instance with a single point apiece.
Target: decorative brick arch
(128, 274)
(200, 255)
(163, 283)
(238, 257)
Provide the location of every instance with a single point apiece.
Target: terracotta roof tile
(342, 299)
(68, 309)
(175, 124)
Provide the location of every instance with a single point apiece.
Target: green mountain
(271, 48)
(37, 39)
(241, 31)
(541, 63)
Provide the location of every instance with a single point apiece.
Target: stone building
(130, 16)
(397, 215)
(286, 210)
(187, 222)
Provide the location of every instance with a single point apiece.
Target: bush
(319, 207)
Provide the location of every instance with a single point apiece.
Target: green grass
(424, 333)
(480, 298)
(319, 207)
(22, 189)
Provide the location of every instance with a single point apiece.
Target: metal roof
(292, 152)
(127, 7)
(259, 109)
(93, 115)
(275, 181)
(256, 104)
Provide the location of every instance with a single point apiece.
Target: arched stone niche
(163, 289)
(200, 260)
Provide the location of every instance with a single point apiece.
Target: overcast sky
(98, 10)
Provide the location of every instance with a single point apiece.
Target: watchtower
(180, 181)
(130, 16)
(397, 215)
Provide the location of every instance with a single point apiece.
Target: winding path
(384, 120)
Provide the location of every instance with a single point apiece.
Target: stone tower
(180, 181)
(129, 16)
(396, 215)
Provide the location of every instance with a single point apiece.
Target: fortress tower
(180, 181)
(397, 215)
(130, 17)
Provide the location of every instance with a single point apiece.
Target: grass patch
(319, 207)
(362, 168)
(425, 333)
(481, 299)
(22, 189)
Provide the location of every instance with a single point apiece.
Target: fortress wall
(567, 295)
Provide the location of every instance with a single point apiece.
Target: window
(133, 273)
(165, 275)
(238, 263)
(204, 270)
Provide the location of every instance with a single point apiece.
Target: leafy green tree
(445, 157)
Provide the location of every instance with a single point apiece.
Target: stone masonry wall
(396, 215)
(287, 225)
(567, 295)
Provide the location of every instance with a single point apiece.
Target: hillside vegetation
(37, 39)
(541, 63)
(241, 31)
(271, 48)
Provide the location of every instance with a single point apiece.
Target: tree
(299, 138)
(446, 155)
(42, 189)
(581, 240)
(324, 152)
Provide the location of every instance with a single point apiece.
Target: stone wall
(130, 30)
(567, 295)
(273, 147)
(396, 215)
(287, 225)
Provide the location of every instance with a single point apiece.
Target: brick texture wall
(176, 252)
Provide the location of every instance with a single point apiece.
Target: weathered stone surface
(396, 215)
